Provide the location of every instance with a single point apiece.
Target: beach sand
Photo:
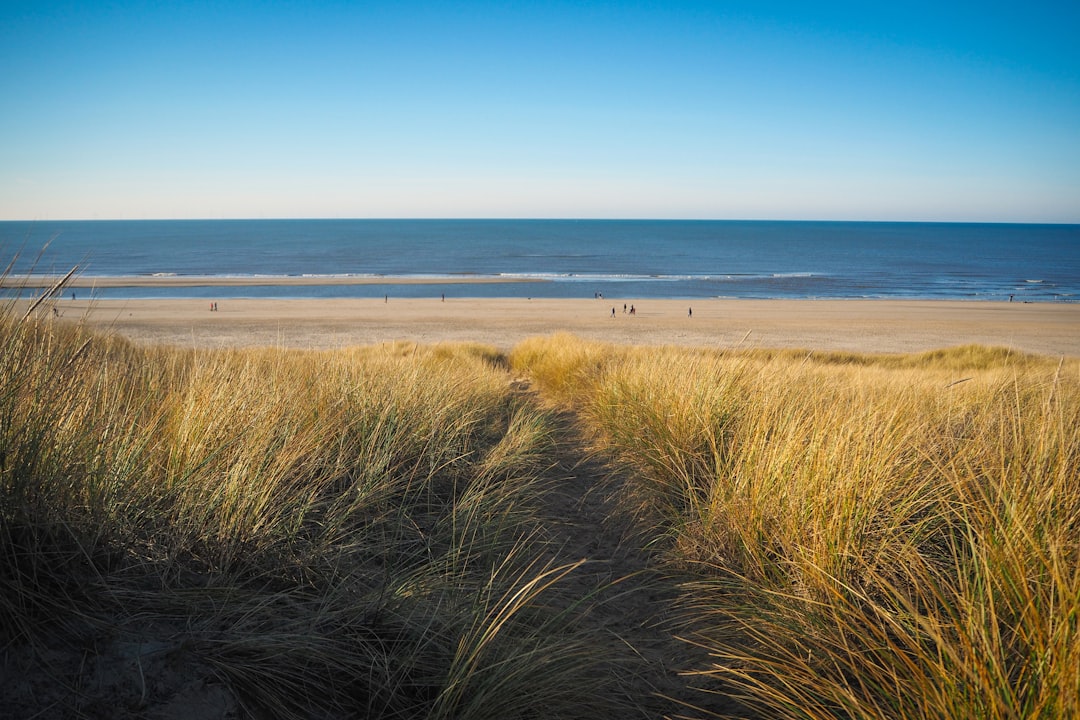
(854, 325)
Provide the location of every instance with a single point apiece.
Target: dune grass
(358, 533)
(326, 534)
(868, 536)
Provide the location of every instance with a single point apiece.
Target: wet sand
(855, 325)
(174, 281)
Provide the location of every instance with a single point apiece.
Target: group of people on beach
(633, 311)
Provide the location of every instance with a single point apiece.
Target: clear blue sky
(799, 110)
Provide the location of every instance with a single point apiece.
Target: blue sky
(801, 110)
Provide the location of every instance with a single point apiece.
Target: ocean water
(566, 258)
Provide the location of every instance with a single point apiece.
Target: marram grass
(872, 536)
(357, 533)
(329, 534)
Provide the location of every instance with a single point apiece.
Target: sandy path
(858, 325)
(633, 600)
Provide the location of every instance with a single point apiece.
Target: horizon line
(539, 219)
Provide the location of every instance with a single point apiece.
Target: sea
(558, 258)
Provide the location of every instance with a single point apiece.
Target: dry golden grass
(874, 537)
(356, 532)
(347, 533)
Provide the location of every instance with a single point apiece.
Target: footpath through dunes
(622, 589)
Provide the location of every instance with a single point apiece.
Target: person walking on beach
(612, 312)
(690, 312)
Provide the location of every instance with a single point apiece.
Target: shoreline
(856, 325)
(179, 281)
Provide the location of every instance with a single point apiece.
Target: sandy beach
(856, 325)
